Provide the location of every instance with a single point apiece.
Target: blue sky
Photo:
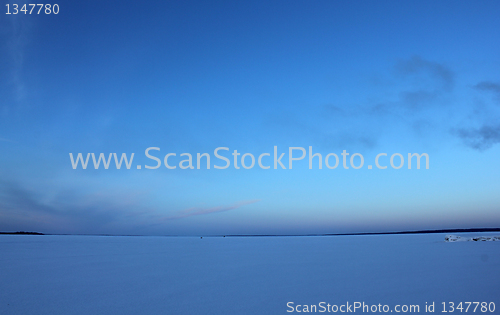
(362, 76)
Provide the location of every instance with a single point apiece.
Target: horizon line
(435, 231)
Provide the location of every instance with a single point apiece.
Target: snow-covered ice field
(239, 275)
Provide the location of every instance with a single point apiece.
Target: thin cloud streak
(488, 86)
(201, 211)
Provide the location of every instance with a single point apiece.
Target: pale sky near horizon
(188, 77)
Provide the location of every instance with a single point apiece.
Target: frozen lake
(240, 275)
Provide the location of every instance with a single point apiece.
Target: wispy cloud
(488, 133)
(488, 86)
(426, 81)
(428, 85)
(482, 138)
(15, 41)
(418, 65)
(414, 96)
(201, 211)
(22, 208)
(67, 211)
(416, 87)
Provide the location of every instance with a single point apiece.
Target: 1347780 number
(32, 8)
(482, 307)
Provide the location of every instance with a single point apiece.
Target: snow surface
(239, 275)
